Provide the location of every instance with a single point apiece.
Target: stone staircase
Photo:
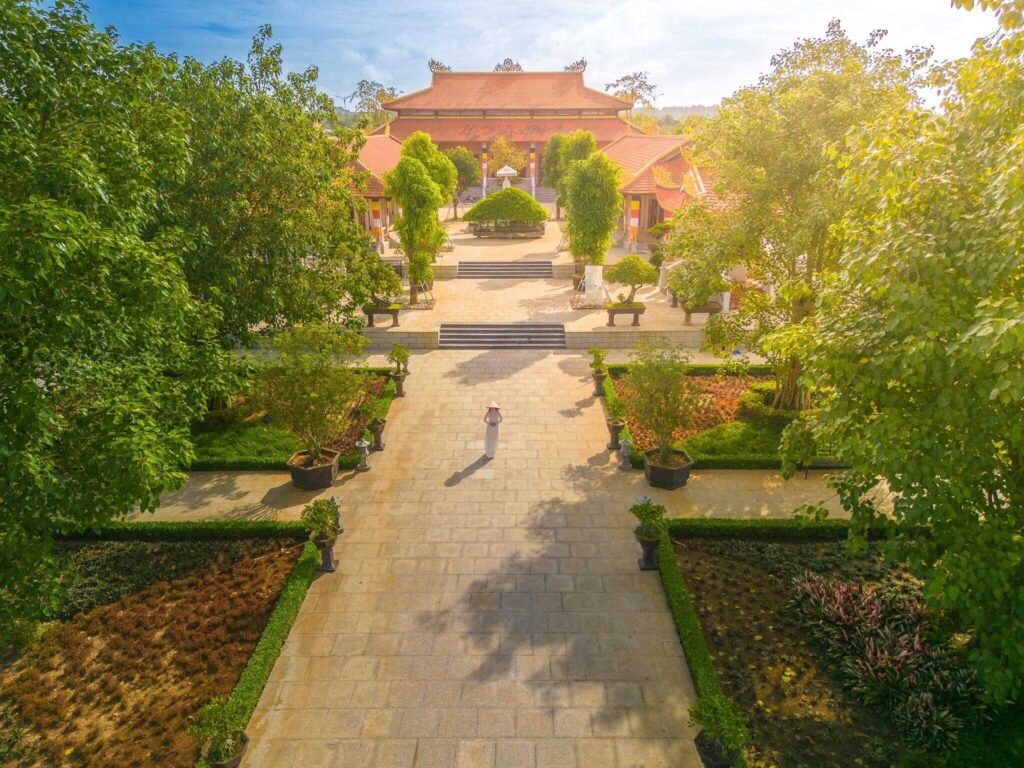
(501, 336)
(505, 270)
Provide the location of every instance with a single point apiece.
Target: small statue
(625, 447)
(363, 446)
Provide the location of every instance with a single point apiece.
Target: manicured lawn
(149, 633)
(742, 592)
(238, 439)
(735, 439)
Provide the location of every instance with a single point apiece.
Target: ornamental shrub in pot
(651, 517)
(309, 389)
(598, 368)
(376, 411)
(221, 738)
(664, 400)
(323, 520)
(723, 730)
(616, 423)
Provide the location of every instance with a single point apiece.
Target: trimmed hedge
(755, 407)
(211, 530)
(274, 461)
(512, 204)
(759, 529)
(618, 370)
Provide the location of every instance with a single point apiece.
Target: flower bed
(735, 609)
(239, 439)
(159, 618)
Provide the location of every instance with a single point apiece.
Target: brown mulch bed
(116, 686)
(721, 403)
(766, 663)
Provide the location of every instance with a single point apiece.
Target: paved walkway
(484, 613)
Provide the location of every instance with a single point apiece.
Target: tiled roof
(379, 155)
(508, 90)
(670, 199)
(471, 130)
(635, 152)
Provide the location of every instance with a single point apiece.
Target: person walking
(492, 419)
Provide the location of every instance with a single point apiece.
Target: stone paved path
(484, 613)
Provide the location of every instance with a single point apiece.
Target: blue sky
(696, 52)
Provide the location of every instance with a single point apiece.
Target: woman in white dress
(492, 419)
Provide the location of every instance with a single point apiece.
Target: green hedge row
(223, 530)
(275, 463)
(758, 529)
(618, 370)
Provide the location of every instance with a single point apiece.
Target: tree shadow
(457, 477)
(494, 365)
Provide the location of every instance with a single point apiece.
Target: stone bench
(390, 309)
(635, 311)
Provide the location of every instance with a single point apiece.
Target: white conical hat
(494, 405)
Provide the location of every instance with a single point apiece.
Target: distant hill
(679, 111)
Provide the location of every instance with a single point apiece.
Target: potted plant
(599, 369)
(222, 741)
(323, 520)
(651, 518)
(399, 356)
(616, 422)
(634, 272)
(664, 400)
(376, 411)
(723, 730)
(309, 390)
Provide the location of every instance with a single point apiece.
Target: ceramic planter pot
(712, 755)
(377, 430)
(235, 759)
(599, 377)
(668, 477)
(317, 477)
(327, 562)
(649, 547)
(399, 379)
(615, 427)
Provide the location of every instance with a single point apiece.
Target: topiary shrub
(634, 272)
(755, 407)
(510, 204)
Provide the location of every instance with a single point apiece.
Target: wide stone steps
(508, 270)
(501, 336)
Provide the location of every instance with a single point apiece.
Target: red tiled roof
(379, 155)
(635, 152)
(508, 90)
(470, 130)
(671, 199)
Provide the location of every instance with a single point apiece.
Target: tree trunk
(557, 211)
(632, 294)
(413, 293)
(791, 396)
(689, 314)
(455, 207)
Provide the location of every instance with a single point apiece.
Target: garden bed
(150, 631)
(734, 608)
(239, 438)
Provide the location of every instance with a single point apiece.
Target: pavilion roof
(479, 91)
(379, 155)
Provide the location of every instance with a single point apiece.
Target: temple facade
(472, 109)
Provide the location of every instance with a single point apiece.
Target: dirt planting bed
(116, 686)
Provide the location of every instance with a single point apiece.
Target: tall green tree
(767, 143)
(421, 183)
(503, 152)
(919, 347)
(266, 196)
(593, 205)
(636, 87)
(370, 99)
(467, 170)
(560, 152)
(105, 355)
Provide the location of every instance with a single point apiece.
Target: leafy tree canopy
(634, 272)
(919, 347)
(510, 204)
(636, 87)
(467, 172)
(767, 144)
(594, 206)
(369, 99)
(503, 152)
(437, 66)
(560, 152)
(266, 197)
(580, 65)
(105, 355)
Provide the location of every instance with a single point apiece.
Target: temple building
(378, 155)
(471, 109)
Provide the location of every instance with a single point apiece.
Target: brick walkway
(484, 614)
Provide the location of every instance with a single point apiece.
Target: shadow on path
(457, 477)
